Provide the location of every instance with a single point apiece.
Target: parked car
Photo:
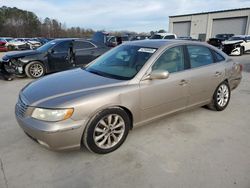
(41, 40)
(32, 43)
(139, 37)
(109, 40)
(130, 85)
(16, 44)
(6, 39)
(236, 45)
(163, 36)
(187, 38)
(218, 39)
(54, 56)
(3, 48)
(113, 41)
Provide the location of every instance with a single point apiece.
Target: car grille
(21, 108)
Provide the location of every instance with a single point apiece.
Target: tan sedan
(130, 85)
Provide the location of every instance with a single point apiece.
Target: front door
(84, 52)
(160, 97)
(59, 56)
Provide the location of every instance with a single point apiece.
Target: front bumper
(62, 135)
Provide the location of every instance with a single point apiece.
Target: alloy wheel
(222, 95)
(36, 70)
(109, 131)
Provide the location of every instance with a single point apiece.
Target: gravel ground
(197, 148)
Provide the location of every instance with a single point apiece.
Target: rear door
(160, 97)
(84, 52)
(205, 73)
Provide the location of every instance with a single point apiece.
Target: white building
(207, 24)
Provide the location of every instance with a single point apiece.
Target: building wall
(202, 23)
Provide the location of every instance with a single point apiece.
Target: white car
(163, 36)
(17, 45)
(237, 45)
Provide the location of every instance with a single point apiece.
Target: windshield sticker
(147, 50)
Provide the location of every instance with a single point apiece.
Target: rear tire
(221, 97)
(106, 131)
(35, 69)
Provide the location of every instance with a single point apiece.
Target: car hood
(232, 42)
(71, 82)
(19, 54)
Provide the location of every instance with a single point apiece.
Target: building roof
(212, 12)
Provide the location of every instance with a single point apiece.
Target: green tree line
(15, 22)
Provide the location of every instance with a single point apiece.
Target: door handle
(217, 73)
(183, 82)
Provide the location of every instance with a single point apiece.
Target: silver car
(130, 85)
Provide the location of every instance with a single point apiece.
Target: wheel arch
(40, 61)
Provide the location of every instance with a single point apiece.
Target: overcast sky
(133, 15)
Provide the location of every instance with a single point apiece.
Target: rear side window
(83, 45)
(199, 56)
(218, 57)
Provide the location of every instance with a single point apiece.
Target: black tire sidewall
(27, 69)
(89, 130)
(216, 105)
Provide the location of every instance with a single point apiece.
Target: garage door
(235, 26)
(182, 29)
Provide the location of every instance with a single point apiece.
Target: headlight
(52, 114)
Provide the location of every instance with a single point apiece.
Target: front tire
(221, 97)
(35, 69)
(241, 50)
(107, 131)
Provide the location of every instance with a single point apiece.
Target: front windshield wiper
(106, 74)
(94, 72)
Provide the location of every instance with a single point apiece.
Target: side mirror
(51, 51)
(157, 75)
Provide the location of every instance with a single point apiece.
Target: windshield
(156, 37)
(121, 63)
(46, 46)
(236, 38)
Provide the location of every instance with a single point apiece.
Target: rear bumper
(65, 135)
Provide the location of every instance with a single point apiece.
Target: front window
(171, 60)
(121, 63)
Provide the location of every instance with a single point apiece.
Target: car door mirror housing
(157, 75)
(51, 51)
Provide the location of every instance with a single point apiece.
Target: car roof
(157, 43)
